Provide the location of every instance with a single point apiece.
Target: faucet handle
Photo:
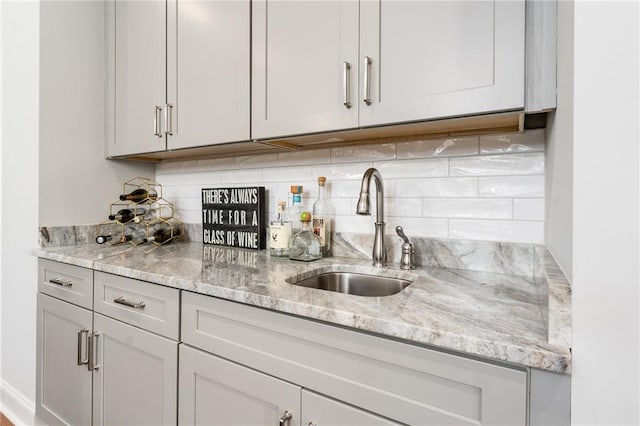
(401, 234)
(407, 260)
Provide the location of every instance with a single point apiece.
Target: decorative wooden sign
(234, 217)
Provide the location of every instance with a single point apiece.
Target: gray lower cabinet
(401, 382)
(135, 382)
(63, 381)
(93, 369)
(319, 410)
(217, 392)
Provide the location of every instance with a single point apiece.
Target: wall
(487, 188)
(606, 279)
(19, 206)
(559, 159)
(76, 183)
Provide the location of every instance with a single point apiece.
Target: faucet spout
(363, 208)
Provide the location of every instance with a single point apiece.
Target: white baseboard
(15, 406)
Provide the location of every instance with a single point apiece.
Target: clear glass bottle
(322, 212)
(295, 209)
(280, 233)
(305, 245)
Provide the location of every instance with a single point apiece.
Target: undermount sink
(354, 283)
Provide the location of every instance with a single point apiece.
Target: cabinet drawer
(149, 306)
(67, 282)
(408, 383)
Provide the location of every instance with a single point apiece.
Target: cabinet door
(322, 411)
(135, 383)
(63, 388)
(136, 45)
(432, 59)
(214, 391)
(208, 71)
(299, 50)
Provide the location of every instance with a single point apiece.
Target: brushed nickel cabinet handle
(60, 281)
(346, 84)
(285, 420)
(367, 80)
(122, 301)
(168, 118)
(92, 363)
(81, 333)
(157, 121)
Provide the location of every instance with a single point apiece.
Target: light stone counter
(523, 320)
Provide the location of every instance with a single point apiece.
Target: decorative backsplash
(487, 188)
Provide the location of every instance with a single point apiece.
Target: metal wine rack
(150, 214)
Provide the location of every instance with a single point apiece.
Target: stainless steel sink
(354, 283)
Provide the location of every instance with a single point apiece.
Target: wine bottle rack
(149, 214)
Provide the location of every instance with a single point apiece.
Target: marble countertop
(523, 320)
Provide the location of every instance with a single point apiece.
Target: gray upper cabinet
(379, 62)
(178, 74)
(437, 59)
(305, 69)
(136, 64)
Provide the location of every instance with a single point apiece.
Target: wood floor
(5, 421)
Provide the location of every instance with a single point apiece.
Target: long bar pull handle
(93, 352)
(346, 84)
(168, 118)
(286, 418)
(122, 301)
(157, 121)
(60, 281)
(367, 80)
(81, 333)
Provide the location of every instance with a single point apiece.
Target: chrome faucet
(363, 208)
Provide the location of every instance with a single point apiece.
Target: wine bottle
(280, 233)
(125, 215)
(101, 239)
(295, 209)
(148, 216)
(138, 195)
(322, 212)
(167, 232)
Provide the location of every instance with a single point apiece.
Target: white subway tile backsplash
(166, 167)
(476, 208)
(226, 177)
(174, 192)
(290, 175)
(351, 154)
(413, 168)
(188, 204)
(437, 187)
(512, 186)
(255, 161)
(528, 209)
(354, 224)
(344, 206)
(487, 188)
(497, 230)
(418, 226)
(397, 207)
(190, 216)
(496, 165)
(341, 171)
(438, 148)
(216, 164)
(300, 158)
(529, 141)
(350, 189)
